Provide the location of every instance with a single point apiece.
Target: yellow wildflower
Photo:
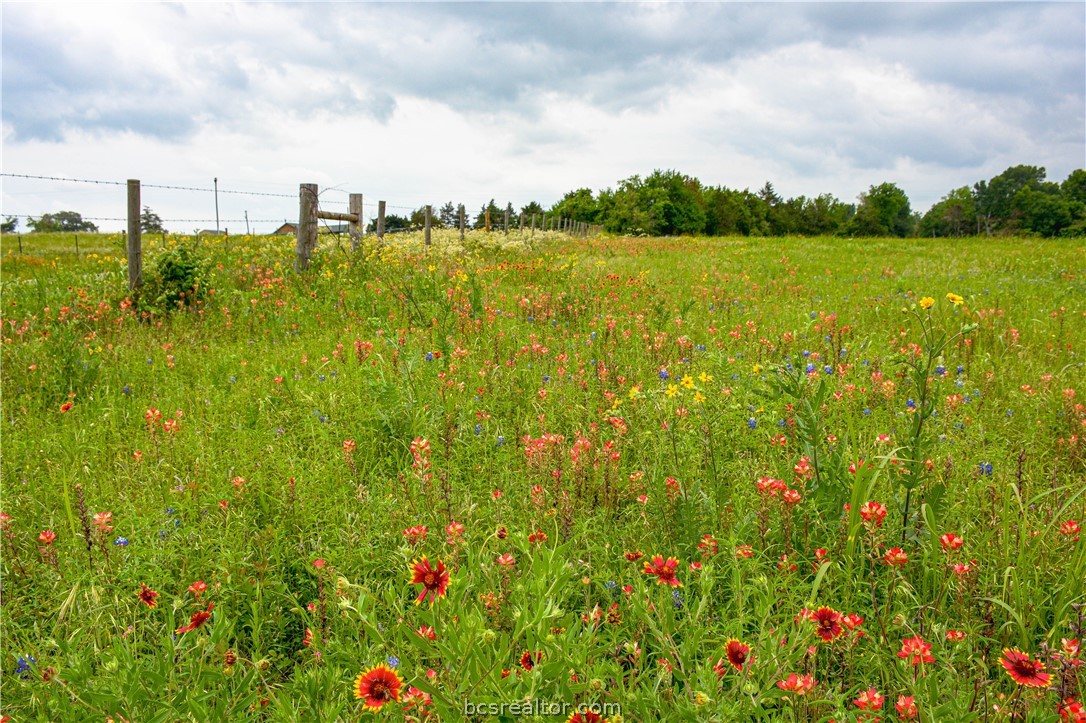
(955, 299)
(927, 302)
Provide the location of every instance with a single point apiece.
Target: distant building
(333, 228)
(212, 232)
(287, 229)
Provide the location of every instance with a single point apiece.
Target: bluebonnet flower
(546, 377)
(501, 440)
(121, 542)
(677, 598)
(788, 366)
(429, 356)
(23, 665)
(127, 390)
(593, 336)
(531, 319)
(171, 511)
(985, 468)
(827, 369)
(910, 404)
(478, 429)
(810, 368)
(752, 423)
(612, 586)
(663, 374)
(813, 315)
(843, 352)
(781, 423)
(961, 369)
(700, 347)
(233, 379)
(393, 661)
(321, 377)
(867, 411)
(806, 353)
(940, 370)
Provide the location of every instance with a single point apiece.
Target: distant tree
(529, 209)
(418, 219)
(995, 198)
(953, 215)
(9, 224)
(884, 211)
(1042, 212)
(448, 216)
(393, 223)
(495, 215)
(578, 205)
(61, 221)
(1074, 188)
(150, 222)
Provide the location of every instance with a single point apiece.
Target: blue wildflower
(121, 542)
(663, 374)
(429, 356)
(393, 661)
(127, 390)
(985, 468)
(810, 368)
(752, 423)
(827, 369)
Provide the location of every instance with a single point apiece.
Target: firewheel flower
(147, 595)
(377, 686)
(737, 655)
(916, 651)
(664, 570)
(827, 624)
(1030, 673)
(434, 580)
(198, 619)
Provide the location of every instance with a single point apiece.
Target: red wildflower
(951, 542)
(435, 580)
(415, 534)
(916, 651)
(664, 570)
(507, 561)
(744, 551)
(198, 587)
(798, 684)
(895, 557)
(906, 707)
(66, 407)
(377, 686)
(426, 632)
(708, 546)
(584, 717)
(737, 654)
(633, 556)
(955, 636)
(869, 699)
(47, 537)
(1030, 673)
(528, 659)
(1069, 528)
(537, 536)
(1072, 711)
(827, 624)
(198, 619)
(147, 595)
(873, 513)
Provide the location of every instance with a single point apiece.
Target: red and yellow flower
(377, 686)
(434, 580)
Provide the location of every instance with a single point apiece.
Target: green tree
(150, 222)
(884, 211)
(61, 221)
(448, 216)
(995, 198)
(1043, 213)
(9, 225)
(1074, 188)
(578, 205)
(495, 215)
(953, 215)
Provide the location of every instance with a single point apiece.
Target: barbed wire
(167, 220)
(147, 185)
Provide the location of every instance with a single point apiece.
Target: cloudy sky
(420, 103)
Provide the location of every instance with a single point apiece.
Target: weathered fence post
(461, 222)
(135, 250)
(544, 226)
(533, 224)
(354, 227)
(307, 225)
(520, 223)
(488, 221)
(429, 213)
(380, 221)
(506, 222)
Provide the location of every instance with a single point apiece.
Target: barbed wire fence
(310, 214)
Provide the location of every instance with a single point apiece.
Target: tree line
(667, 203)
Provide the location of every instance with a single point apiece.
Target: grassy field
(679, 479)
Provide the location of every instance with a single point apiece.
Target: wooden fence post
(380, 221)
(461, 222)
(533, 224)
(488, 221)
(429, 212)
(544, 226)
(506, 222)
(135, 249)
(307, 225)
(354, 228)
(520, 222)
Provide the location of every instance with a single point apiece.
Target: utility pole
(247, 224)
(216, 205)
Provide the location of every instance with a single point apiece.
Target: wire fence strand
(148, 185)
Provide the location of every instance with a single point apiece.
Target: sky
(417, 103)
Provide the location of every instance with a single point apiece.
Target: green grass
(556, 383)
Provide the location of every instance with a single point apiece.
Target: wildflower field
(606, 479)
